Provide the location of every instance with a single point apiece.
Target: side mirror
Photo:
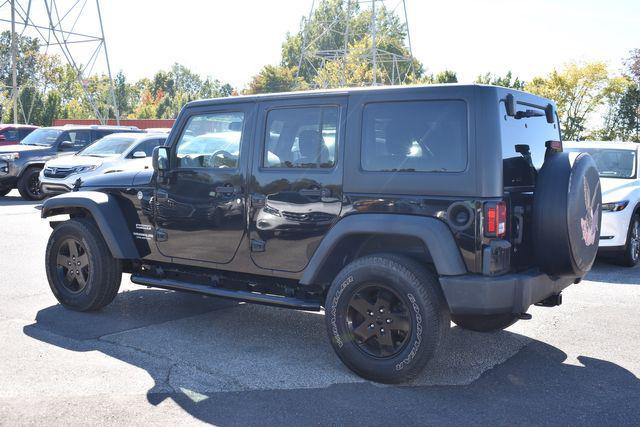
(160, 160)
(139, 155)
(66, 145)
(510, 105)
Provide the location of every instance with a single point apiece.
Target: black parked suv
(394, 209)
(20, 164)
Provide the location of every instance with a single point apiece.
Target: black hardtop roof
(347, 91)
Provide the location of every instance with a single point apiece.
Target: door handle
(162, 196)
(225, 190)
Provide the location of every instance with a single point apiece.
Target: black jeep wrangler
(394, 209)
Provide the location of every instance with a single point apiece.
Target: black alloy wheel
(29, 184)
(72, 265)
(379, 320)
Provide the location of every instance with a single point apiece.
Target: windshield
(105, 147)
(42, 137)
(612, 163)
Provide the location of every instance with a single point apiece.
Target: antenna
(70, 28)
(397, 66)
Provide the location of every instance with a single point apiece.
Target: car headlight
(273, 211)
(615, 206)
(82, 169)
(10, 156)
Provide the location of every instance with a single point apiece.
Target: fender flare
(106, 213)
(434, 233)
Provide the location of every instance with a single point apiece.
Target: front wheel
(386, 317)
(631, 254)
(29, 184)
(82, 273)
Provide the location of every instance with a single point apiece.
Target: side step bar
(253, 297)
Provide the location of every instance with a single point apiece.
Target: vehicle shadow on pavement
(607, 272)
(230, 363)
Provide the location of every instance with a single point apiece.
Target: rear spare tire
(567, 214)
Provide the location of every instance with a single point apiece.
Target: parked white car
(617, 163)
(113, 153)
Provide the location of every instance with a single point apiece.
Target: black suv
(394, 209)
(20, 164)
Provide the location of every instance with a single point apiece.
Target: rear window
(414, 136)
(531, 131)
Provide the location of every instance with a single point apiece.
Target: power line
(71, 28)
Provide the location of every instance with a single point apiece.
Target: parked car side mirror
(139, 155)
(160, 160)
(66, 145)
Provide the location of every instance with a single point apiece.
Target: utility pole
(116, 111)
(14, 61)
(374, 47)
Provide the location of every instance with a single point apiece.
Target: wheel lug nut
(381, 310)
(77, 272)
(388, 320)
(78, 262)
(382, 330)
(371, 326)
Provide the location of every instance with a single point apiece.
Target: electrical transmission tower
(71, 29)
(397, 66)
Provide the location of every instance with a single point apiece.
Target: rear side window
(11, 134)
(302, 137)
(414, 136)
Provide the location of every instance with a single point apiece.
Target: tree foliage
(505, 81)
(579, 90)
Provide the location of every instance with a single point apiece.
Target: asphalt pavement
(161, 357)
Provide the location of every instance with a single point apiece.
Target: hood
(118, 179)
(70, 161)
(19, 148)
(616, 189)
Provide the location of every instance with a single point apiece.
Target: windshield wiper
(528, 113)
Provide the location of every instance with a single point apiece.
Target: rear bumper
(509, 293)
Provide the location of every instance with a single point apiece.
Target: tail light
(495, 219)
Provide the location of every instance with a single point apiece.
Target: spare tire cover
(566, 214)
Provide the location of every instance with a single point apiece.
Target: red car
(13, 134)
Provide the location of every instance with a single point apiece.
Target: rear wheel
(29, 184)
(631, 254)
(386, 317)
(484, 323)
(81, 271)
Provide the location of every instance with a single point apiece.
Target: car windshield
(106, 147)
(612, 163)
(42, 137)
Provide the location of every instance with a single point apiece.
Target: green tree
(505, 81)
(324, 32)
(579, 90)
(274, 78)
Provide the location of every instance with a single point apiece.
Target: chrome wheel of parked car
(631, 255)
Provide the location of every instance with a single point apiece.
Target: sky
(232, 39)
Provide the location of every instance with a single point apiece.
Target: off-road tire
(4, 191)
(631, 254)
(484, 323)
(427, 312)
(26, 184)
(103, 272)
